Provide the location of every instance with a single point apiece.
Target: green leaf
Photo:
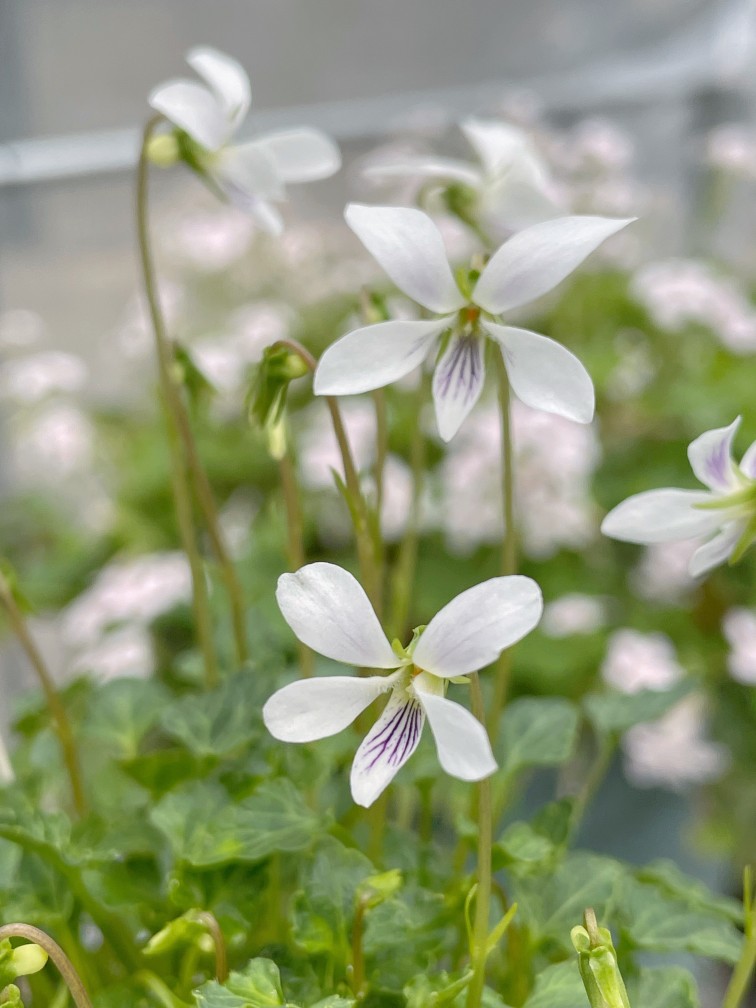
(536, 731)
(258, 985)
(206, 828)
(558, 986)
(187, 929)
(552, 904)
(664, 987)
(614, 712)
(438, 990)
(335, 1001)
(521, 848)
(656, 922)
(122, 711)
(667, 877)
(218, 723)
(324, 908)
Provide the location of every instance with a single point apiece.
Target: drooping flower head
(724, 514)
(508, 186)
(409, 247)
(329, 612)
(250, 175)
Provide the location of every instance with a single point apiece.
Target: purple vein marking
(716, 462)
(465, 361)
(397, 737)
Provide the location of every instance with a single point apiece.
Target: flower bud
(266, 400)
(597, 962)
(163, 150)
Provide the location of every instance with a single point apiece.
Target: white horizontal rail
(717, 49)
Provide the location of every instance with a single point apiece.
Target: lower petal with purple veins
(387, 747)
(458, 382)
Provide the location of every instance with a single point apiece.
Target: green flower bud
(28, 959)
(267, 395)
(164, 150)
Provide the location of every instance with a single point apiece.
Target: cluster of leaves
(192, 812)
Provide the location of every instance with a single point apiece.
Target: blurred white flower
(637, 661)
(124, 651)
(36, 376)
(134, 337)
(725, 513)
(740, 630)
(20, 329)
(554, 507)
(678, 292)
(674, 751)
(53, 443)
(210, 240)
(126, 591)
(252, 175)
(509, 184)
(572, 614)
(409, 247)
(663, 572)
(731, 147)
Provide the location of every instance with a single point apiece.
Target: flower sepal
(597, 962)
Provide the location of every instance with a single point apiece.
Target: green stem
(404, 571)
(295, 540)
(592, 782)
(358, 956)
(160, 990)
(503, 667)
(741, 976)
(219, 942)
(483, 894)
(54, 703)
(66, 968)
(366, 552)
(172, 408)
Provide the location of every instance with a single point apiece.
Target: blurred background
(640, 107)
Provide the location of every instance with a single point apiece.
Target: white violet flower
(250, 175)
(725, 513)
(409, 247)
(330, 613)
(509, 185)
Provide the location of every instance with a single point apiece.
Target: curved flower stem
(503, 666)
(54, 703)
(741, 976)
(295, 540)
(221, 957)
(366, 554)
(483, 893)
(66, 968)
(178, 419)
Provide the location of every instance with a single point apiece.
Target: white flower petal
(520, 196)
(475, 627)
(327, 609)
(748, 462)
(544, 374)
(534, 261)
(416, 166)
(316, 708)
(716, 550)
(457, 382)
(228, 80)
(387, 747)
(375, 356)
(247, 172)
(661, 516)
(409, 247)
(710, 457)
(265, 215)
(302, 155)
(497, 144)
(462, 743)
(192, 108)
